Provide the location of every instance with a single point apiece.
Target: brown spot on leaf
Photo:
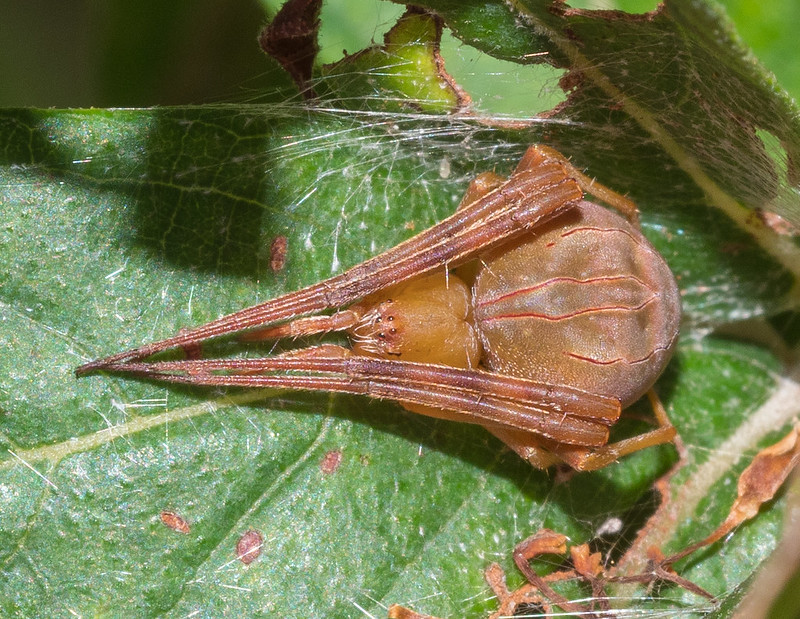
(175, 522)
(277, 253)
(331, 461)
(248, 548)
(571, 81)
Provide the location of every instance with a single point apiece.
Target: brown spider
(529, 311)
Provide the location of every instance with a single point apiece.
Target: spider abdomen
(586, 302)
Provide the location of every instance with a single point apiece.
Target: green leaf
(123, 226)
(405, 73)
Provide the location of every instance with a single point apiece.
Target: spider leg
(527, 447)
(592, 460)
(530, 195)
(538, 153)
(543, 453)
(563, 414)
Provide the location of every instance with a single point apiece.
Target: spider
(530, 311)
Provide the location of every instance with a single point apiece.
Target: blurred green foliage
(114, 53)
